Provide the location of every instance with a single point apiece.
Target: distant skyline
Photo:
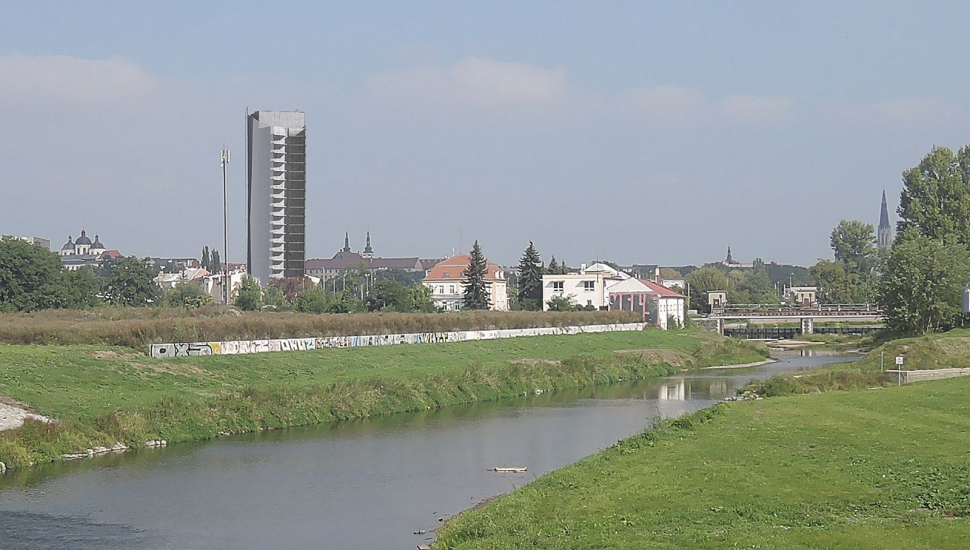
(638, 132)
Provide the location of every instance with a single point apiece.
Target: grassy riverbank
(864, 469)
(136, 328)
(103, 395)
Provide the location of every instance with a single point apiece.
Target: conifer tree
(206, 265)
(553, 268)
(530, 279)
(216, 262)
(475, 291)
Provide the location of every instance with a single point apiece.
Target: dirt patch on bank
(535, 362)
(164, 367)
(668, 356)
(13, 414)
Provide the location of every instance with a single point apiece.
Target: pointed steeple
(885, 231)
(368, 251)
(729, 259)
(346, 242)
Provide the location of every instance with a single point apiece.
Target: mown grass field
(101, 395)
(885, 468)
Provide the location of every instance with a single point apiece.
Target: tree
(274, 298)
(31, 277)
(206, 262)
(82, 289)
(832, 281)
(854, 244)
(935, 199)
(553, 268)
(561, 303)
(475, 289)
(187, 294)
(389, 295)
(703, 281)
(130, 283)
(530, 279)
(922, 284)
(421, 301)
(312, 300)
(215, 262)
(249, 295)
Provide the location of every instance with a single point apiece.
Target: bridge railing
(758, 310)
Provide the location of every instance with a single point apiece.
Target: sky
(637, 132)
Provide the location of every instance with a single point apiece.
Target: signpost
(899, 369)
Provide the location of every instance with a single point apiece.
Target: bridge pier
(808, 325)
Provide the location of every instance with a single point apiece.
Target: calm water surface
(367, 484)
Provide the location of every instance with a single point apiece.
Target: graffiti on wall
(237, 347)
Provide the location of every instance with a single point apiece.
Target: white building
(39, 241)
(446, 281)
(168, 281)
(656, 303)
(276, 194)
(803, 296)
(586, 288)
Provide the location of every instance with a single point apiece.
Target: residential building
(275, 194)
(802, 296)
(584, 289)
(212, 284)
(885, 231)
(168, 281)
(40, 241)
(656, 303)
(446, 280)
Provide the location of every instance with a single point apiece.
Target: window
(589, 286)
(451, 289)
(441, 289)
(557, 286)
(589, 302)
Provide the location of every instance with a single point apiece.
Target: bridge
(807, 316)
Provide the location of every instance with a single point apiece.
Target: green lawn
(83, 382)
(885, 468)
(104, 395)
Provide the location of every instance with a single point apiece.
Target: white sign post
(899, 369)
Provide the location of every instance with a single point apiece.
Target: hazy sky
(647, 132)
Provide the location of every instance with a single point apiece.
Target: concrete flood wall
(235, 347)
(905, 376)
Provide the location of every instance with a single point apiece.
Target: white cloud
(474, 81)
(664, 103)
(757, 109)
(70, 80)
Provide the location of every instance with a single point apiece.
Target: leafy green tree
(206, 261)
(31, 277)
(249, 295)
(703, 281)
(186, 294)
(312, 300)
(274, 298)
(389, 295)
(215, 262)
(130, 283)
(561, 303)
(834, 286)
(475, 288)
(529, 279)
(421, 301)
(935, 199)
(922, 284)
(854, 244)
(82, 289)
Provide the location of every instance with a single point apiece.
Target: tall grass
(138, 327)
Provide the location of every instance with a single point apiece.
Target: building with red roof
(446, 280)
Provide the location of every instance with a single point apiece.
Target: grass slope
(867, 469)
(106, 395)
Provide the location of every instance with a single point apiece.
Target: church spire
(729, 259)
(346, 242)
(368, 251)
(885, 231)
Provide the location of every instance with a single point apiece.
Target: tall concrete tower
(885, 231)
(275, 194)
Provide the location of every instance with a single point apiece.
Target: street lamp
(225, 225)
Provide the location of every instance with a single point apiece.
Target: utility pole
(225, 225)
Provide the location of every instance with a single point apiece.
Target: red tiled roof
(660, 289)
(453, 267)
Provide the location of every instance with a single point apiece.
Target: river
(366, 484)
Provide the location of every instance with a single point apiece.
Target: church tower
(368, 251)
(346, 247)
(885, 232)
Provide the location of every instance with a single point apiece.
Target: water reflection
(366, 484)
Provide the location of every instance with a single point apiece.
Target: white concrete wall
(161, 351)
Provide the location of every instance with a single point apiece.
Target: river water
(367, 484)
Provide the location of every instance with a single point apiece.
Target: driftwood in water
(508, 470)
